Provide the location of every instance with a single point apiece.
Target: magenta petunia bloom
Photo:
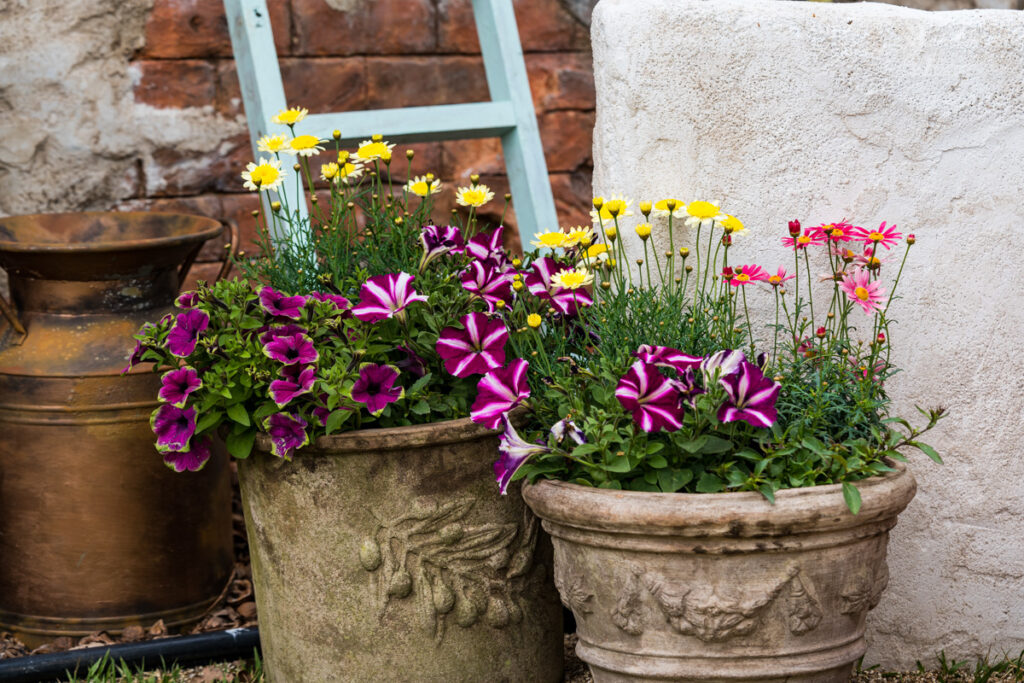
(651, 397)
(191, 460)
(176, 385)
(187, 299)
(188, 325)
(136, 356)
(277, 304)
(295, 380)
(385, 296)
(887, 237)
(811, 237)
(689, 390)
(340, 302)
(287, 432)
(667, 357)
(746, 274)
(566, 427)
(542, 286)
(488, 281)
(515, 451)
(438, 241)
(862, 290)
(498, 392)
(291, 349)
(411, 363)
(489, 246)
(752, 397)
(320, 412)
(173, 427)
(476, 349)
(268, 334)
(720, 364)
(376, 388)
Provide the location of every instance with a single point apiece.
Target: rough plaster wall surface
(871, 112)
(72, 136)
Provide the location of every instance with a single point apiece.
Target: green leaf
(418, 385)
(618, 463)
(240, 445)
(421, 407)
(715, 444)
(927, 450)
(852, 497)
(767, 492)
(238, 413)
(654, 447)
(209, 420)
(656, 461)
(693, 445)
(671, 481)
(709, 483)
(585, 449)
(335, 420)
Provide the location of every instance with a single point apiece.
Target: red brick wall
(380, 54)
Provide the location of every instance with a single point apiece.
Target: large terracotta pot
(720, 587)
(95, 532)
(388, 555)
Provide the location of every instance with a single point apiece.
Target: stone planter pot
(388, 554)
(720, 587)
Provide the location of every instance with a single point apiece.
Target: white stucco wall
(870, 112)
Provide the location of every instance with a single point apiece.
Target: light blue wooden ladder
(509, 115)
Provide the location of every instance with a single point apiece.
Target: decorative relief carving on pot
(713, 613)
(456, 570)
(574, 593)
(864, 590)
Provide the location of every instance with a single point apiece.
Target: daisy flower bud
(516, 263)
(911, 239)
(377, 138)
(517, 285)
(645, 208)
(275, 206)
(499, 304)
(409, 154)
(644, 231)
(533, 320)
(598, 202)
(508, 196)
(606, 285)
(794, 228)
(880, 338)
(821, 332)
(611, 233)
(684, 252)
(475, 178)
(336, 135)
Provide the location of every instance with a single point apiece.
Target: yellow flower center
(876, 236)
(837, 232)
(372, 150)
(702, 210)
(803, 239)
(533, 320)
(862, 293)
(742, 277)
(346, 170)
(421, 188)
(272, 143)
(305, 142)
(264, 175)
(551, 240)
(774, 279)
(596, 250)
(291, 116)
(474, 197)
(572, 279)
(329, 170)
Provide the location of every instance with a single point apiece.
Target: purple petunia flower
(489, 246)
(187, 299)
(438, 241)
(295, 380)
(412, 363)
(340, 302)
(136, 356)
(541, 285)
(320, 412)
(651, 397)
(566, 427)
(277, 304)
(667, 357)
(287, 432)
(386, 296)
(488, 281)
(291, 349)
(752, 397)
(188, 325)
(476, 349)
(498, 392)
(720, 364)
(688, 388)
(191, 460)
(176, 385)
(173, 427)
(515, 451)
(268, 334)
(376, 387)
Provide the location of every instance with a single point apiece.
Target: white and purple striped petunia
(375, 387)
(720, 364)
(515, 451)
(291, 349)
(751, 397)
(667, 357)
(386, 296)
(188, 325)
(566, 427)
(295, 380)
(688, 389)
(173, 427)
(498, 392)
(176, 385)
(541, 285)
(475, 349)
(277, 304)
(652, 398)
(191, 460)
(287, 432)
(438, 241)
(489, 246)
(488, 281)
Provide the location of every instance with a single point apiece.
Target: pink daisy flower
(887, 237)
(862, 290)
(746, 274)
(809, 238)
(836, 232)
(779, 277)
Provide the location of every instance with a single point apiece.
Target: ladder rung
(415, 124)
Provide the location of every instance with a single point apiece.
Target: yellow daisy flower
(373, 149)
(266, 175)
(574, 278)
(616, 207)
(477, 195)
(643, 231)
(702, 211)
(678, 209)
(732, 225)
(348, 172)
(329, 171)
(533, 320)
(554, 239)
(289, 117)
(272, 143)
(581, 235)
(421, 186)
(304, 145)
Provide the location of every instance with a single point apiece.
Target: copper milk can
(96, 533)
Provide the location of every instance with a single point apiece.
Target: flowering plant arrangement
(667, 383)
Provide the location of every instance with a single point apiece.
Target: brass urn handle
(231, 247)
(8, 310)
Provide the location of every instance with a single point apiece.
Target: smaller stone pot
(389, 555)
(721, 587)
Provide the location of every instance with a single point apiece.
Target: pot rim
(214, 228)
(390, 438)
(736, 514)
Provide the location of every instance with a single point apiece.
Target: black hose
(195, 650)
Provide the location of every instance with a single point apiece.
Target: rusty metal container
(95, 532)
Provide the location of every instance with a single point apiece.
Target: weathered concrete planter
(720, 587)
(387, 554)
